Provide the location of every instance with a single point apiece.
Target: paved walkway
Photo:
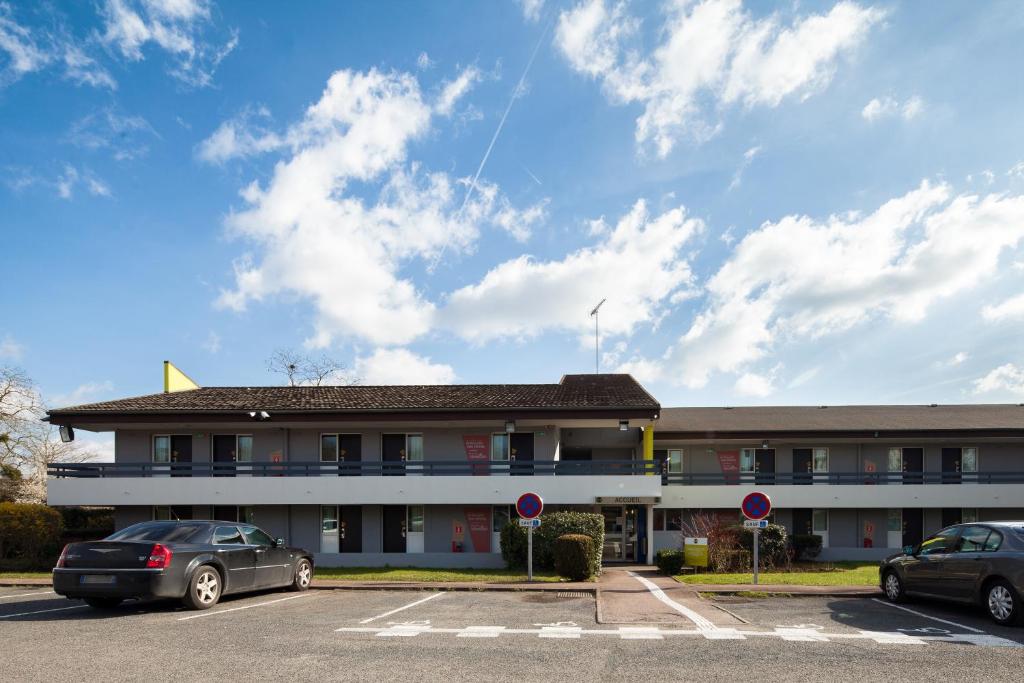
(639, 595)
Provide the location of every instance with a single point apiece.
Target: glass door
(614, 523)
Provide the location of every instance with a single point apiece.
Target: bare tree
(26, 442)
(302, 369)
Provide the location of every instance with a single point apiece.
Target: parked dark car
(196, 561)
(980, 563)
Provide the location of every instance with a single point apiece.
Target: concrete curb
(328, 584)
(794, 591)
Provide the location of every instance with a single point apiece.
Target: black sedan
(196, 561)
(980, 563)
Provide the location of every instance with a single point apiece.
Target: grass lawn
(25, 575)
(414, 574)
(807, 574)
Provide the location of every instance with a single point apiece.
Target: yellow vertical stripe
(649, 442)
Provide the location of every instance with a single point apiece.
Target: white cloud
(959, 357)
(84, 70)
(711, 55)
(175, 26)
(1017, 170)
(520, 223)
(637, 266)
(344, 252)
(885, 107)
(24, 54)
(212, 343)
(239, 137)
(1010, 309)
(1006, 378)
(753, 384)
(401, 366)
(532, 9)
(804, 377)
(90, 392)
(125, 137)
(424, 61)
(452, 91)
(803, 279)
(748, 158)
(72, 178)
(10, 348)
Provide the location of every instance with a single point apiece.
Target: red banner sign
(479, 521)
(729, 461)
(478, 449)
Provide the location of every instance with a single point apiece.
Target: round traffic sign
(756, 505)
(529, 506)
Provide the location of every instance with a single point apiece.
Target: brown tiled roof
(573, 392)
(768, 419)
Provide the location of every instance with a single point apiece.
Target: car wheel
(203, 589)
(893, 587)
(1002, 602)
(103, 603)
(303, 575)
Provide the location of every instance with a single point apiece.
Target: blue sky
(807, 203)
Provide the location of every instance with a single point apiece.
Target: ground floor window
(235, 513)
(969, 515)
(819, 521)
(500, 516)
(172, 512)
(415, 519)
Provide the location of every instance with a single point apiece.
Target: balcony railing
(366, 468)
(841, 478)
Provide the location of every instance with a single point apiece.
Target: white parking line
(702, 623)
(42, 611)
(235, 609)
(25, 595)
(928, 616)
(405, 607)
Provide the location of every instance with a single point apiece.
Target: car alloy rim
(206, 587)
(304, 574)
(1000, 603)
(892, 586)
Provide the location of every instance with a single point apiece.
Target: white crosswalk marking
(560, 631)
(640, 633)
(888, 638)
(806, 635)
(480, 632)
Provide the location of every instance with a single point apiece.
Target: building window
(659, 519)
(821, 460)
(499, 518)
(674, 519)
(244, 447)
(969, 459)
(895, 520)
(500, 445)
(414, 447)
(968, 515)
(895, 459)
(747, 459)
(675, 461)
(328, 448)
(819, 521)
(415, 519)
(162, 448)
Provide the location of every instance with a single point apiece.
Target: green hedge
(773, 550)
(553, 525)
(669, 562)
(29, 532)
(573, 557)
(806, 546)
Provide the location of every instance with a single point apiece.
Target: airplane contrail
(494, 138)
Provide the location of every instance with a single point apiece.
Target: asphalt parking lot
(414, 635)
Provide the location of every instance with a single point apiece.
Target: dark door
(393, 454)
(272, 563)
(224, 454)
(951, 516)
(181, 455)
(913, 465)
(951, 465)
(661, 457)
(521, 453)
(350, 454)
(394, 529)
(803, 521)
(764, 466)
(238, 557)
(913, 526)
(225, 513)
(350, 529)
(803, 467)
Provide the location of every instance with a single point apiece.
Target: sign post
(529, 506)
(755, 507)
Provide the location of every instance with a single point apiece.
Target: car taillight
(159, 557)
(63, 556)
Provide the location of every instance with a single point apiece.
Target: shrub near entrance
(553, 525)
(573, 555)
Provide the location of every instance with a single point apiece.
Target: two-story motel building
(426, 475)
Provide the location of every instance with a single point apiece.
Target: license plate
(97, 578)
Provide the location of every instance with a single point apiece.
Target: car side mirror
(278, 542)
(908, 550)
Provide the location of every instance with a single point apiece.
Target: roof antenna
(597, 336)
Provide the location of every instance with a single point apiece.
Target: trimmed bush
(774, 546)
(553, 525)
(728, 561)
(670, 562)
(573, 556)
(29, 532)
(806, 546)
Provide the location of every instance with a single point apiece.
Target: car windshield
(164, 532)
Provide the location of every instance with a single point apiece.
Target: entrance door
(951, 466)
(913, 526)
(803, 466)
(643, 546)
(764, 466)
(913, 466)
(350, 529)
(350, 452)
(521, 453)
(181, 455)
(803, 521)
(394, 528)
(224, 452)
(393, 454)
